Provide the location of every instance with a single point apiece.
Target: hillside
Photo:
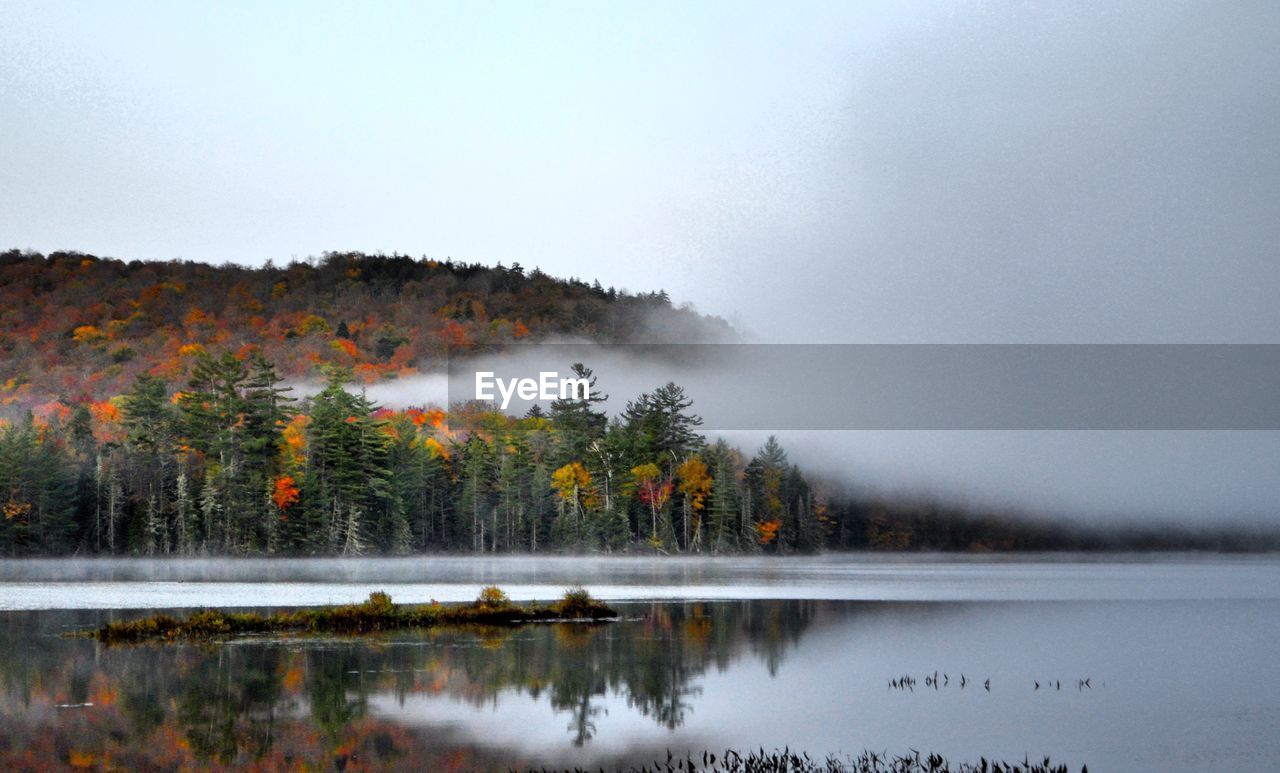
(75, 327)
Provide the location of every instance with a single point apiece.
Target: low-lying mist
(1100, 477)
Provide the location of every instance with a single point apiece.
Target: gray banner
(960, 387)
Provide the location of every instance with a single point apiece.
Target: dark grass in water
(373, 615)
(786, 761)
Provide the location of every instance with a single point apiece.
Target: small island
(377, 613)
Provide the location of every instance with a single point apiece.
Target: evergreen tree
(577, 420)
(764, 476)
(660, 427)
(150, 440)
(723, 507)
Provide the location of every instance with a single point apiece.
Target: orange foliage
(419, 417)
(767, 531)
(196, 317)
(105, 412)
(293, 679)
(162, 313)
(455, 334)
(285, 492)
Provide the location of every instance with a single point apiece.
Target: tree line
(230, 463)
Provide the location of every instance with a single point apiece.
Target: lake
(1122, 663)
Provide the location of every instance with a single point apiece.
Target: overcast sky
(861, 172)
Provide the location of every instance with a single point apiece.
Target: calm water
(1180, 658)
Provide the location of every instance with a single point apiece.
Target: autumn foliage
(146, 408)
(79, 327)
(285, 492)
(767, 531)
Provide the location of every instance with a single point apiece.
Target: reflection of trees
(336, 687)
(652, 663)
(771, 628)
(228, 700)
(656, 679)
(235, 703)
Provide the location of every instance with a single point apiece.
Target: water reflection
(285, 702)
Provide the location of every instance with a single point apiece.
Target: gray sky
(861, 172)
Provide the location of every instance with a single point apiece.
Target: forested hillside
(75, 327)
(148, 413)
(146, 410)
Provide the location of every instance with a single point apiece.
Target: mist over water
(278, 582)
(1129, 664)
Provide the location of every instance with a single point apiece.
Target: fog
(129, 583)
(1171, 472)
(881, 172)
(1012, 172)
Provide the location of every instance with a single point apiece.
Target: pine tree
(577, 420)
(660, 427)
(149, 424)
(723, 506)
(766, 494)
(346, 477)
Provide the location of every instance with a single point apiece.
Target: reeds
(787, 761)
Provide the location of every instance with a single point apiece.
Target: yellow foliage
(570, 479)
(313, 323)
(88, 334)
(645, 472)
(15, 509)
(695, 483)
(435, 448)
(294, 436)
